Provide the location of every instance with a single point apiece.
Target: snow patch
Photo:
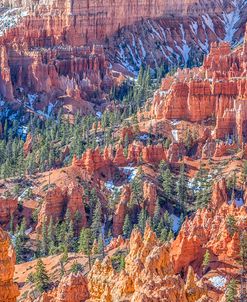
(175, 223)
(10, 18)
(230, 19)
(131, 172)
(175, 135)
(238, 201)
(218, 281)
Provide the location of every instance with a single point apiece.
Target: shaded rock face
(216, 90)
(57, 202)
(8, 289)
(7, 208)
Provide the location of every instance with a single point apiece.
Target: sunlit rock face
(48, 48)
(217, 89)
(8, 289)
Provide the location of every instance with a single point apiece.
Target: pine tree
(69, 239)
(44, 239)
(127, 227)
(182, 189)
(93, 201)
(231, 224)
(156, 217)
(96, 223)
(231, 291)
(101, 246)
(11, 224)
(19, 248)
(167, 184)
(170, 235)
(50, 237)
(76, 267)
(137, 190)
(42, 281)
(243, 249)
(167, 221)
(164, 235)
(22, 229)
(142, 219)
(160, 227)
(206, 259)
(86, 243)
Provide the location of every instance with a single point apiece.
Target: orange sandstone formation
(215, 90)
(71, 288)
(150, 197)
(8, 206)
(208, 230)
(57, 202)
(119, 215)
(8, 289)
(148, 275)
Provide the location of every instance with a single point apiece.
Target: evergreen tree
(93, 201)
(202, 188)
(19, 248)
(44, 240)
(156, 217)
(127, 227)
(96, 223)
(206, 259)
(142, 219)
(76, 267)
(86, 243)
(11, 225)
(231, 291)
(164, 235)
(182, 189)
(69, 239)
(231, 224)
(42, 281)
(243, 249)
(101, 247)
(170, 235)
(167, 184)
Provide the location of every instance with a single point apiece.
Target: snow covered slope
(178, 40)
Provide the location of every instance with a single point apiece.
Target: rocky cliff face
(181, 40)
(56, 65)
(57, 202)
(8, 289)
(147, 261)
(83, 22)
(208, 230)
(8, 206)
(217, 90)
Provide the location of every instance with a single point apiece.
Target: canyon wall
(43, 50)
(217, 90)
(82, 22)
